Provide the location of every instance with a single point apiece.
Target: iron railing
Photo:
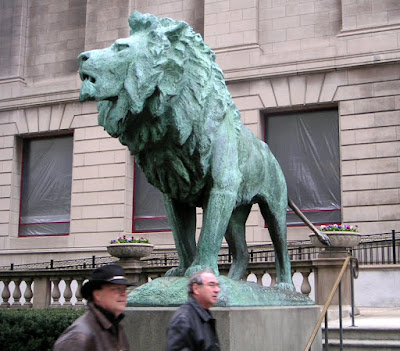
(378, 249)
(373, 249)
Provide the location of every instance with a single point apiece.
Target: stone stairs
(376, 329)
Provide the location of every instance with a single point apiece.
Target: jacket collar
(105, 318)
(204, 314)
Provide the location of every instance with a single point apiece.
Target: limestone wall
(276, 55)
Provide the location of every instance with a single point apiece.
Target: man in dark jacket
(99, 328)
(193, 327)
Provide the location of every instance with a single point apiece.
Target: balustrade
(62, 287)
(42, 288)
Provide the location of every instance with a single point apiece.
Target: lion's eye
(121, 47)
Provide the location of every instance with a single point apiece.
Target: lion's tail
(321, 236)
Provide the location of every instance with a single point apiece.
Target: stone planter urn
(341, 241)
(130, 253)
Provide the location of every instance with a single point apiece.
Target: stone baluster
(5, 295)
(154, 276)
(273, 279)
(259, 277)
(78, 294)
(67, 292)
(28, 295)
(305, 285)
(55, 293)
(17, 293)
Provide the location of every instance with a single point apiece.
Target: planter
(341, 242)
(130, 252)
(339, 239)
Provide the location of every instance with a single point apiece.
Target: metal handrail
(328, 303)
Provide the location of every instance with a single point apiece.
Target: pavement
(385, 318)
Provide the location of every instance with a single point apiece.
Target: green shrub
(34, 329)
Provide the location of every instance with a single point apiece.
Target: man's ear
(95, 295)
(196, 288)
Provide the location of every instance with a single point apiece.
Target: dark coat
(192, 328)
(92, 332)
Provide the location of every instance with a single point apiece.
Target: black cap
(109, 274)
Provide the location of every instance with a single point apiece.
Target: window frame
(144, 218)
(41, 136)
(308, 109)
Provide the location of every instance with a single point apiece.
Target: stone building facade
(278, 57)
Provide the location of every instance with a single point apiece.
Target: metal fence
(378, 249)
(373, 249)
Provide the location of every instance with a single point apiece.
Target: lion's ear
(142, 22)
(174, 32)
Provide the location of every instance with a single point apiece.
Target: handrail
(327, 304)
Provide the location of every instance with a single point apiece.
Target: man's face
(207, 292)
(111, 297)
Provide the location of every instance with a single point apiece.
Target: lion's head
(162, 77)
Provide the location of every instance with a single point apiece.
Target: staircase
(376, 329)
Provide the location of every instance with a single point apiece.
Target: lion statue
(162, 94)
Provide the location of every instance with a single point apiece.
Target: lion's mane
(174, 130)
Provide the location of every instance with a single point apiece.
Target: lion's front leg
(216, 216)
(182, 219)
(221, 201)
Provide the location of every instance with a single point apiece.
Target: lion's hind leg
(275, 216)
(236, 238)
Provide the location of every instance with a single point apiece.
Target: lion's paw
(285, 286)
(175, 272)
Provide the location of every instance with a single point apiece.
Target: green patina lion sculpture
(162, 94)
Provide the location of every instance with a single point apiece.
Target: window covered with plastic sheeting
(46, 186)
(148, 211)
(306, 145)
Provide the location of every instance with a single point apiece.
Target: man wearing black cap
(99, 328)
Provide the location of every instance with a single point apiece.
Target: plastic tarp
(306, 145)
(149, 210)
(46, 186)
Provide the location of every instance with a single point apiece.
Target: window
(46, 186)
(148, 210)
(306, 145)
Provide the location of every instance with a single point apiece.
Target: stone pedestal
(328, 267)
(239, 328)
(134, 272)
(130, 259)
(327, 271)
(42, 292)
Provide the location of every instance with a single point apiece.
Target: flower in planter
(131, 240)
(339, 228)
